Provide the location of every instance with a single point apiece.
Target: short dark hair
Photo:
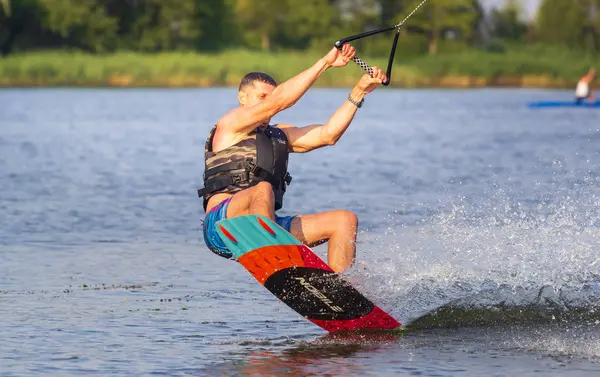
(251, 77)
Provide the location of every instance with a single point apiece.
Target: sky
(529, 6)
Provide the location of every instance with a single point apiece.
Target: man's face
(254, 94)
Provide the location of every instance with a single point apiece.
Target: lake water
(479, 224)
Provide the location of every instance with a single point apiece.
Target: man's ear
(242, 98)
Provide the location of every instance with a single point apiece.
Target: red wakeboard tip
(227, 234)
(267, 228)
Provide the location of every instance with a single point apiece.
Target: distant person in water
(583, 91)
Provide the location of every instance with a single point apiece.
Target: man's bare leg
(338, 227)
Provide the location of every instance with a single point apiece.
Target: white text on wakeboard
(309, 287)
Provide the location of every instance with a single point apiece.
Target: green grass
(557, 66)
(519, 61)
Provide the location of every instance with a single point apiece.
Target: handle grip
(366, 67)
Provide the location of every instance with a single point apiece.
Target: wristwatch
(356, 103)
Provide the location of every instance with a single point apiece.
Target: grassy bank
(521, 68)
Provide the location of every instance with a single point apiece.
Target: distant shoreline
(442, 83)
(450, 82)
(471, 69)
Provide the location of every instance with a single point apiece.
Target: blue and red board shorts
(219, 212)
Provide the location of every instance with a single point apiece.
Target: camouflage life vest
(261, 156)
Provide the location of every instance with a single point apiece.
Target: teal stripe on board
(251, 235)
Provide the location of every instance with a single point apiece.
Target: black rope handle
(361, 63)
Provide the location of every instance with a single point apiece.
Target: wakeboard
(298, 277)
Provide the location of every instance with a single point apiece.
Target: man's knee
(347, 218)
(341, 221)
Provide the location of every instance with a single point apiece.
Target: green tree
(564, 22)
(440, 18)
(360, 14)
(155, 25)
(477, 21)
(5, 7)
(218, 28)
(260, 20)
(390, 9)
(17, 20)
(592, 32)
(307, 21)
(506, 23)
(81, 23)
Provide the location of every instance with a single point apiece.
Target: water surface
(479, 223)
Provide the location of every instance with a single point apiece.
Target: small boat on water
(563, 104)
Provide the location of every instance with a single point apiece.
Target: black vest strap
(219, 183)
(236, 165)
(249, 169)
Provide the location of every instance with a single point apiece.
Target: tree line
(100, 26)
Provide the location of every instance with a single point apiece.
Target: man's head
(254, 88)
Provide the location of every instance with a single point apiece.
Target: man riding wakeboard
(246, 158)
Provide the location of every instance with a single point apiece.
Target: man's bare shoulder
(226, 135)
(228, 120)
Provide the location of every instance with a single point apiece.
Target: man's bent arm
(245, 119)
(304, 139)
